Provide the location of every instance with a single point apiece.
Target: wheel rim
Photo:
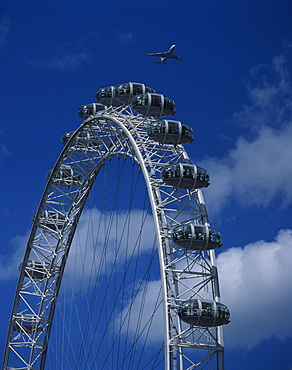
(119, 133)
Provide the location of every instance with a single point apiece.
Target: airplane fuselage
(166, 55)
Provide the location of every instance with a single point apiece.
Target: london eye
(119, 270)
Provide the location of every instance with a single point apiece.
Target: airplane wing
(177, 57)
(156, 54)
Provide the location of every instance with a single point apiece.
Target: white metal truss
(185, 274)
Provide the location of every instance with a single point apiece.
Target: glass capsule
(106, 96)
(170, 132)
(185, 176)
(198, 312)
(125, 91)
(155, 105)
(196, 237)
(87, 110)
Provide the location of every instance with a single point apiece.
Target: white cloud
(10, 261)
(67, 62)
(255, 283)
(124, 37)
(255, 280)
(270, 94)
(130, 234)
(255, 172)
(256, 286)
(5, 28)
(67, 56)
(128, 238)
(144, 316)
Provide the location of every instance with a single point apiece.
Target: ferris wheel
(120, 270)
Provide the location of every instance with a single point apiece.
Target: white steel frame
(185, 274)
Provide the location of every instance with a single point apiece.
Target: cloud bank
(254, 172)
(122, 236)
(256, 286)
(256, 279)
(144, 316)
(255, 283)
(270, 94)
(257, 170)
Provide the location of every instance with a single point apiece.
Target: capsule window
(150, 104)
(174, 127)
(196, 237)
(138, 88)
(87, 110)
(124, 92)
(188, 172)
(170, 132)
(203, 313)
(106, 96)
(156, 101)
(104, 92)
(215, 235)
(185, 176)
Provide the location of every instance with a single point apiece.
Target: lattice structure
(185, 241)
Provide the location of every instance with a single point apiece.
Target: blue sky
(233, 87)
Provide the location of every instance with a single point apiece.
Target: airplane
(166, 55)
